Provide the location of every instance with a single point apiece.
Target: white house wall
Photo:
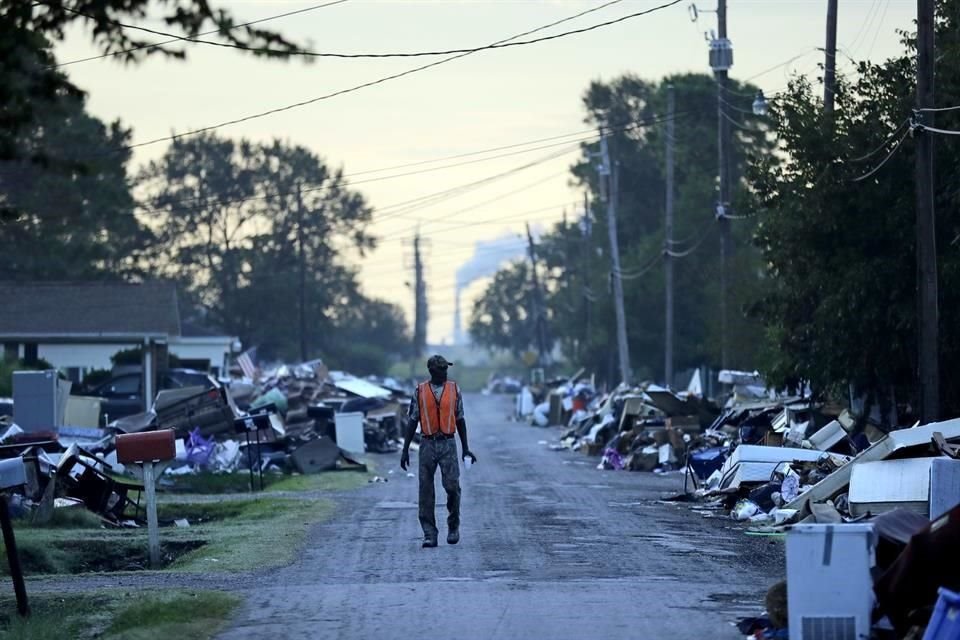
(97, 356)
(215, 349)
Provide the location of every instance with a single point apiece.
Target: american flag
(246, 362)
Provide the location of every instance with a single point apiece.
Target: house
(77, 326)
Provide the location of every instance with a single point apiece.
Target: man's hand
(473, 458)
(405, 459)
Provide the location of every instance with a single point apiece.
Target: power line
(436, 198)
(635, 276)
(503, 196)
(198, 202)
(511, 216)
(175, 38)
(883, 145)
(946, 132)
(371, 83)
(411, 54)
(885, 160)
(194, 202)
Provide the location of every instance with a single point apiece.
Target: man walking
(438, 406)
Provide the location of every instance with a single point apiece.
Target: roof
(88, 309)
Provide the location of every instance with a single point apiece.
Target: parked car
(123, 394)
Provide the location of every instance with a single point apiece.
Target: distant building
(78, 326)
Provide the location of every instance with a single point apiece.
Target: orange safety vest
(438, 417)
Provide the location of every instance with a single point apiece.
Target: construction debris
(868, 512)
(294, 419)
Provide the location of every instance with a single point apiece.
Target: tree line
(257, 236)
(824, 288)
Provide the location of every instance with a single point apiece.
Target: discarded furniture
(754, 463)
(897, 444)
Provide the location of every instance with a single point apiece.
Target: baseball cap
(438, 362)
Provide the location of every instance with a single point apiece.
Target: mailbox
(150, 446)
(13, 473)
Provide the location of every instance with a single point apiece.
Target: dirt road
(551, 548)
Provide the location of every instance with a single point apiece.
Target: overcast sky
(486, 100)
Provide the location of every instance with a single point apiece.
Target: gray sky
(489, 99)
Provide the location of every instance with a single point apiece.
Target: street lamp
(760, 104)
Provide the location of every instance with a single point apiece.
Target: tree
(30, 81)
(577, 255)
(69, 188)
(254, 231)
(368, 336)
(502, 318)
(836, 231)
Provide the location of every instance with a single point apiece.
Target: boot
(429, 541)
(453, 537)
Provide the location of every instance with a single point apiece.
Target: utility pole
(830, 62)
(585, 266)
(721, 59)
(609, 170)
(420, 301)
(668, 229)
(540, 327)
(302, 296)
(928, 296)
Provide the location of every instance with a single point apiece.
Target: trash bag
(744, 510)
(612, 459)
(199, 449)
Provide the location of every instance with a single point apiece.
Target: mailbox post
(147, 449)
(253, 423)
(13, 473)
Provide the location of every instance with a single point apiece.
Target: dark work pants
(439, 453)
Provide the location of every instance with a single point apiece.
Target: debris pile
(645, 428)
(292, 419)
(870, 514)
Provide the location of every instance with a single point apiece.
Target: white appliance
(829, 588)
(349, 430)
(39, 400)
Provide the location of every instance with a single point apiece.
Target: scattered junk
(293, 419)
(870, 515)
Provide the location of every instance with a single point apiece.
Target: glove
(473, 458)
(405, 459)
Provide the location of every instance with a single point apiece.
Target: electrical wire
(883, 145)
(364, 85)
(501, 197)
(864, 26)
(195, 202)
(436, 198)
(178, 38)
(782, 64)
(739, 125)
(883, 17)
(697, 245)
(945, 132)
(640, 274)
(464, 225)
(198, 201)
(410, 54)
(885, 160)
